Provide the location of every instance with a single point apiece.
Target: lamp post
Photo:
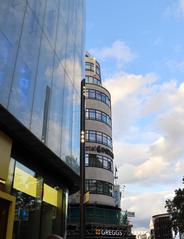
(82, 162)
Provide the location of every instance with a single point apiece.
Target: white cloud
(176, 9)
(181, 6)
(128, 153)
(124, 85)
(175, 65)
(179, 167)
(145, 205)
(127, 93)
(154, 147)
(119, 51)
(153, 164)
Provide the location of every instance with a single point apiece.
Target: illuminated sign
(100, 149)
(25, 182)
(50, 195)
(108, 232)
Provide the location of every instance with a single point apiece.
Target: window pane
(98, 115)
(92, 136)
(92, 114)
(104, 98)
(98, 95)
(105, 164)
(86, 159)
(91, 94)
(99, 137)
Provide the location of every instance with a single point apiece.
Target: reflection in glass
(27, 67)
(20, 102)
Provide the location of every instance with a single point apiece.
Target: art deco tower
(99, 154)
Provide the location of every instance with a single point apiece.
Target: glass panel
(61, 41)
(98, 95)
(97, 70)
(104, 118)
(50, 24)
(99, 162)
(44, 77)
(56, 108)
(5, 60)
(92, 136)
(92, 114)
(105, 140)
(66, 147)
(99, 187)
(38, 7)
(105, 163)
(86, 159)
(87, 113)
(24, 78)
(75, 132)
(11, 17)
(99, 137)
(91, 94)
(103, 98)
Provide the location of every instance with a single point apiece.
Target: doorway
(4, 212)
(7, 213)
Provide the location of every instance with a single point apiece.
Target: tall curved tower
(103, 216)
(99, 151)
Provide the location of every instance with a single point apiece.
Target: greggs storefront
(100, 231)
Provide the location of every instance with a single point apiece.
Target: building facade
(162, 228)
(103, 214)
(99, 151)
(41, 64)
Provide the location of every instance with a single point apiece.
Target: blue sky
(140, 46)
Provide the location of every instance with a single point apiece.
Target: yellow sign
(50, 195)
(5, 152)
(25, 182)
(86, 197)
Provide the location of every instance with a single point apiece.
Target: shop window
(32, 195)
(27, 213)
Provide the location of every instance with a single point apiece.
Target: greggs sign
(108, 232)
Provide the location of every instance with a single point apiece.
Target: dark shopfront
(34, 184)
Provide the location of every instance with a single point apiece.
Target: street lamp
(82, 162)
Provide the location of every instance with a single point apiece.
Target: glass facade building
(41, 67)
(40, 50)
